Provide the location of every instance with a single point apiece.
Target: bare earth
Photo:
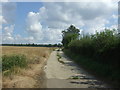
(67, 74)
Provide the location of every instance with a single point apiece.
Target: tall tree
(69, 34)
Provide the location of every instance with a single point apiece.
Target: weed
(9, 62)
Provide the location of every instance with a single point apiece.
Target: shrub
(103, 47)
(9, 62)
(83, 46)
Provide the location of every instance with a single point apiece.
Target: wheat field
(33, 54)
(28, 51)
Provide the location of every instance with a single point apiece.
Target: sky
(42, 22)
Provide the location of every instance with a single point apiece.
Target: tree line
(34, 45)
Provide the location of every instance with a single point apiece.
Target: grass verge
(59, 58)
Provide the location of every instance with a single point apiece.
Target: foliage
(84, 46)
(102, 51)
(35, 45)
(103, 46)
(9, 62)
(72, 33)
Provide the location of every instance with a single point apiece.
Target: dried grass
(36, 57)
(33, 54)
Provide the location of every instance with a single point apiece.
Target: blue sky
(42, 22)
(22, 9)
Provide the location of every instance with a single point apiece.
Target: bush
(103, 46)
(83, 46)
(9, 62)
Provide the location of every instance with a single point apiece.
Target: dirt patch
(19, 81)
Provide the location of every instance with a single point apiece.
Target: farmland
(22, 65)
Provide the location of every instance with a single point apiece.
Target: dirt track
(64, 73)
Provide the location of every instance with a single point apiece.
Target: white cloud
(34, 26)
(8, 11)
(113, 27)
(66, 0)
(4, 0)
(2, 20)
(7, 16)
(51, 35)
(45, 26)
(7, 35)
(19, 39)
(61, 15)
(115, 16)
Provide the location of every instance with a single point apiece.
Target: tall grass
(10, 63)
(16, 58)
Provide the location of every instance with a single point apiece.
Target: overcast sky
(42, 22)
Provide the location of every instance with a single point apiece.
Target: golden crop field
(28, 51)
(32, 53)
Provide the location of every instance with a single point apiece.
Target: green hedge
(103, 47)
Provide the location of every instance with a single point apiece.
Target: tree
(71, 33)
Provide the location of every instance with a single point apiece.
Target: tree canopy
(71, 33)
